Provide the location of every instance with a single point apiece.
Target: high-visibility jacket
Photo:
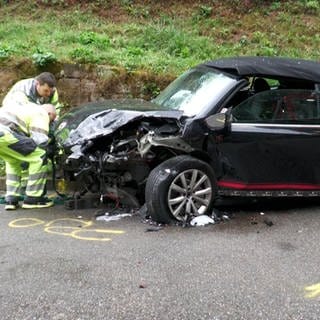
(31, 121)
(23, 134)
(25, 91)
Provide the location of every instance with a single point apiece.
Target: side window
(279, 106)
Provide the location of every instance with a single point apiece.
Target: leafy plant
(83, 55)
(135, 51)
(5, 51)
(42, 58)
(137, 11)
(92, 38)
(244, 40)
(87, 37)
(151, 89)
(312, 6)
(205, 11)
(276, 5)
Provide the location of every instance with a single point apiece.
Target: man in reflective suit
(23, 139)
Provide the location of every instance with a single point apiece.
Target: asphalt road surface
(59, 264)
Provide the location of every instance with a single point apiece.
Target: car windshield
(195, 90)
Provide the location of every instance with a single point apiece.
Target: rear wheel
(179, 189)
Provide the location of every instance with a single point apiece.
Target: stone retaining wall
(78, 84)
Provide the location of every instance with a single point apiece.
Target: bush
(5, 51)
(312, 6)
(42, 59)
(91, 38)
(83, 55)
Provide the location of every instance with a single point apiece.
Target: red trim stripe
(267, 186)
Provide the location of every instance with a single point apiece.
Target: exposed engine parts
(122, 163)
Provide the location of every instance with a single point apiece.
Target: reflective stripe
(39, 138)
(35, 188)
(12, 186)
(36, 176)
(12, 190)
(8, 124)
(43, 131)
(36, 182)
(5, 122)
(19, 121)
(13, 177)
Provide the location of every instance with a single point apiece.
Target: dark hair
(48, 78)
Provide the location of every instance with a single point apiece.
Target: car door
(274, 143)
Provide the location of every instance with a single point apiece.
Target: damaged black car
(240, 127)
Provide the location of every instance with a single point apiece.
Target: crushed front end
(110, 153)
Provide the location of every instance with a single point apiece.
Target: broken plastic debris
(202, 209)
(268, 222)
(220, 214)
(154, 228)
(225, 217)
(108, 218)
(253, 220)
(201, 221)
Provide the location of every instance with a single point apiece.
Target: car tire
(179, 189)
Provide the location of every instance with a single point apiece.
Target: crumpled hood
(101, 119)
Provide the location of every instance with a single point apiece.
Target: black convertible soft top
(274, 67)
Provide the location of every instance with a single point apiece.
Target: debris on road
(154, 228)
(201, 221)
(219, 215)
(268, 222)
(254, 220)
(114, 217)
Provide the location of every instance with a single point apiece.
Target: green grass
(141, 35)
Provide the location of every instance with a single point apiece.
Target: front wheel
(179, 189)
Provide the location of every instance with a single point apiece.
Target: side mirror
(217, 122)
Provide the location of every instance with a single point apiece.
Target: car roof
(272, 67)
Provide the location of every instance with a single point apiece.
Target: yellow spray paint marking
(75, 235)
(81, 235)
(74, 228)
(313, 291)
(60, 230)
(69, 222)
(25, 223)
